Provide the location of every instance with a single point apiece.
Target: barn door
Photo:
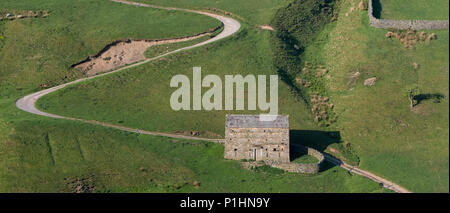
(254, 154)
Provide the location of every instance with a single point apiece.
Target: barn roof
(257, 121)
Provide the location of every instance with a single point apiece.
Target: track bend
(28, 103)
(231, 26)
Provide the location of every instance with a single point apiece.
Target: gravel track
(231, 26)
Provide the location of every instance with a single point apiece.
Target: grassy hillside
(412, 9)
(134, 102)
(40, 154)
(38, 52)
(47, 155)
(376, 124)
(252, 12)
(408, 146)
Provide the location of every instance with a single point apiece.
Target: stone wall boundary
(307, 168)
(405, 24)
(23, 14)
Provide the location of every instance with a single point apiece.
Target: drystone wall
(405, 24)
(309, 168)
(21, 15)
(295, 167)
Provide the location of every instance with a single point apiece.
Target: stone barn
(252, 138)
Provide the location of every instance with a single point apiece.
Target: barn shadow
(376, 5)
(316, 139)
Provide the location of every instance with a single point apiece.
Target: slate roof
(257, 121)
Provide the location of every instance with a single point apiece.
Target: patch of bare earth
(420, 110)
(121, 53)
(410, 37)
(266, 27)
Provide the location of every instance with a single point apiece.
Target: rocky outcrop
(370, 81)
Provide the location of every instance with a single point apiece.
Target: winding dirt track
(28, 102)
(231, 26)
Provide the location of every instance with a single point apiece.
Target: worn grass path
(231, 26)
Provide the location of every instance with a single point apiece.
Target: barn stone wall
(257, 144)
(405, 24)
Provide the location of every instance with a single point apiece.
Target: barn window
(274, 149)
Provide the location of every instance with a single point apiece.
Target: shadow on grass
(436, 97)
(315, 139)
(376, 5)
(288, 60)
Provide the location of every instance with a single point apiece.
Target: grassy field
(39, 154)
(412, 9)
(407, 146)
(42, 48)
(306, 159)
(251, 12)
(248, 52)
(375, 123)
(46, 155)
(136, 103)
